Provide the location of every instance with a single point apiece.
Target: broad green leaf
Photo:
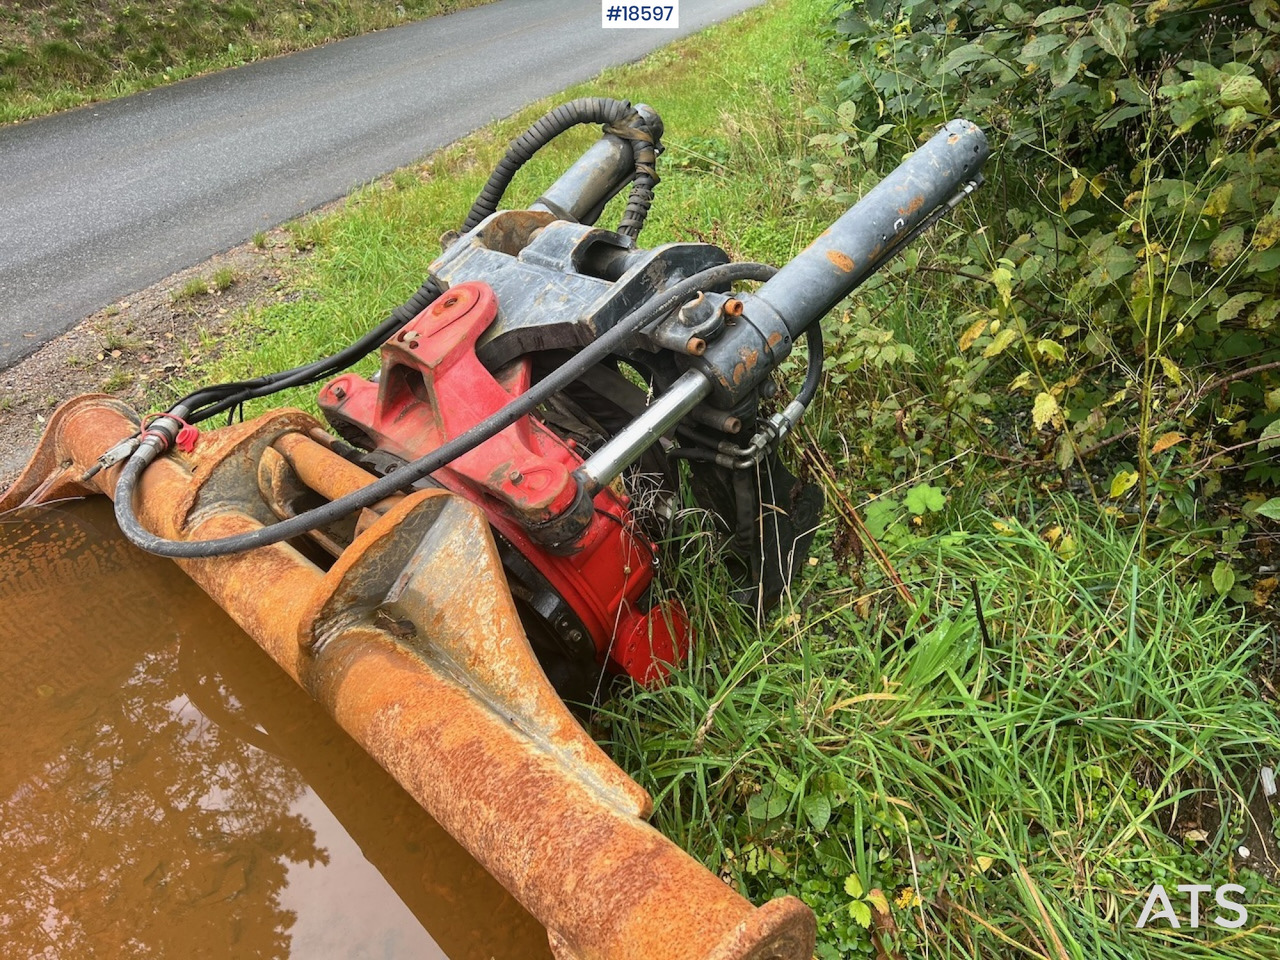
(1224, 577)
(1112, 29)
(817, 810)
(963, 55)
(1052, 349)
(925, 498)
(1270, 509)
(1058, 14)
(767, 804)
(1232, 308)
(1245, 91)
(1270, 436)
(1122, 482)
(860, 911)
(1041, 47)
(853, 886)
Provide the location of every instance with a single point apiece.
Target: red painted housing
(432, 388)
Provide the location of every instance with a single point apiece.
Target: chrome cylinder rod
(607, 463)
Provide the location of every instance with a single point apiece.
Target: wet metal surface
(514, 779)
(165, 790)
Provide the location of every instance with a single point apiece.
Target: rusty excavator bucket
(412, 642)
(443, 562)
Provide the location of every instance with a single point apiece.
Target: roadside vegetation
(56, 54)
(1029, 673)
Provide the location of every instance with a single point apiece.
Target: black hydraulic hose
(813, 369)
(609, 343)
(210, 401)
(618, 116)
(707, 452)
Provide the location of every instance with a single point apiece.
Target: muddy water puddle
(166, 791)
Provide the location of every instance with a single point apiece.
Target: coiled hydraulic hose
(611, 342)
(618, 117)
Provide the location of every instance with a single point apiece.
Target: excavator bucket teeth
(412, 642)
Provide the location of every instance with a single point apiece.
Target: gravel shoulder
(131, 348)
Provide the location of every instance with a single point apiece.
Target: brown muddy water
(166, 791)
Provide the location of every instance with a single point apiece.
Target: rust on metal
(912, 206)
(411, 640)
(841, 261)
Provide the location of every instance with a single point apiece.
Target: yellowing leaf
(1171, 370)
(1000, 343)
(1021, 381)
(1067, 547)
(1052, 349)
(1263, 589)
(1118, 397)
(1073, 193)
(1002, 528)
(877, 899)
(1267, 232)
(853, 885)
(972, 334)
(1165, 442)
(1226, 247)
(1045, 409)
(1003, 280)
(984, 864)
(1219, 201)
(1122, 483)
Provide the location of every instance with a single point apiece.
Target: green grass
(1013, 789)
(58, 54)
(222, 279)
(195, 287)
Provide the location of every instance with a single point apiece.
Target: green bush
(1127, 256)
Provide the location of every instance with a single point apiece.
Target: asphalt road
(105, 200)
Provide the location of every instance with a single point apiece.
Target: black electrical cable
(618, 117)
(609, 343)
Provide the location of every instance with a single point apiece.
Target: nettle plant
(1127, 265)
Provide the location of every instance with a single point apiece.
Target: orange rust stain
(841, 261)
(911, 207)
